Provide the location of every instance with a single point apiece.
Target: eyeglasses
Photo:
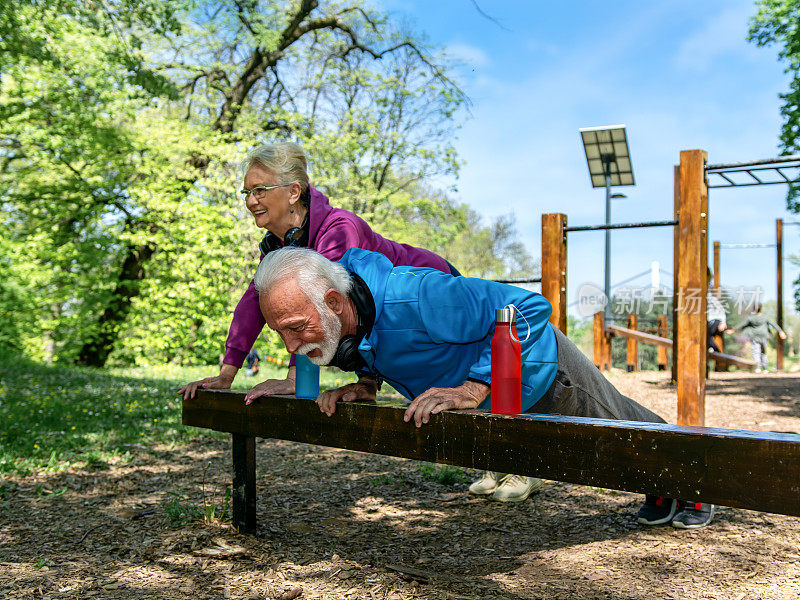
(260, 191)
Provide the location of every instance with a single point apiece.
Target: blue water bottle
(306, 382)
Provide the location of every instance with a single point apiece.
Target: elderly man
(428, 334)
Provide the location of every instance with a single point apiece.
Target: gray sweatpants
(758, 350)
(581, 390)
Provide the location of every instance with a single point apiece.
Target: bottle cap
(505, 315)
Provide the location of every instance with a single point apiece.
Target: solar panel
(607, 148)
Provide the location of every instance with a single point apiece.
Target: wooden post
(720, 365)
(244, 483)
(779, 249)
(661, 351)
(554, 267)
(675, 267)
(717, 290)
(602, 342)
(692, 354)
(633, 345)
(598, 334)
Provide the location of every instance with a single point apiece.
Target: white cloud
(723, 35)
(470, 55)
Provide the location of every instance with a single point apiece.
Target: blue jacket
(435, 330)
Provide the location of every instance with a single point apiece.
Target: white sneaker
(487, 484)
(516, 488)
(758, 369)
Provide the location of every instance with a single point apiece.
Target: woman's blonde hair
(285, 160)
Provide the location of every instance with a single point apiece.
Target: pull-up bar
(747, 245)
(772, 167)
(753, 163)
(621, 226)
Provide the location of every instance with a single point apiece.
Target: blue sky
(679, 74)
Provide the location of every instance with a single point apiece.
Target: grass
(53, 417)
(444, 474)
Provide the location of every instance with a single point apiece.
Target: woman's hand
(364, 390)
(430, 402)
(782, 335)
(222, 381)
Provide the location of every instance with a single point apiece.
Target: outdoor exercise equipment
(691, 178)
(690, 225)
(778, 245)
(771, 171)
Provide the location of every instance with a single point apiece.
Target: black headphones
(293, 237)
(347, 356)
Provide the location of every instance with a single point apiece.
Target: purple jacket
(333, 231)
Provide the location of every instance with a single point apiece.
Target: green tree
(120, 129)
(777, 22)
(120, 133)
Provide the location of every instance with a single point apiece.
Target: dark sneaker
(657, 510)
(693, 515)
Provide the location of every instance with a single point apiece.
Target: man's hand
(782, 335)
(365, 389)
(222, 381)
(430, 402)
(272, 387)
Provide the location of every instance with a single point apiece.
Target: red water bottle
(506, 382)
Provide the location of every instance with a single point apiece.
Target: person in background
(756, 327)
(429, 335)
(252, 359)
(716, 321)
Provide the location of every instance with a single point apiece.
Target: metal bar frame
(753, 163)
(621, 226)
(522, 280)
(774, 165)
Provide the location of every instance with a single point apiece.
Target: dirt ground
(338, 524)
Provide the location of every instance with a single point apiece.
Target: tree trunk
(299, 24)
(49, 337)
(96, 350)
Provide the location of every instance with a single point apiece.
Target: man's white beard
(332, 328)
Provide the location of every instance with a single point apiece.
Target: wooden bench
(744, 469)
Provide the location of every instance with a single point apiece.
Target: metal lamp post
(609, 162)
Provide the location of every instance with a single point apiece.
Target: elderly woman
(277, 193)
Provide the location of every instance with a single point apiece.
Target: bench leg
(244, 483)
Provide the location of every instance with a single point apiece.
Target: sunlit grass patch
(55, 416)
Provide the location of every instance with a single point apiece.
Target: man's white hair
(314, 273)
